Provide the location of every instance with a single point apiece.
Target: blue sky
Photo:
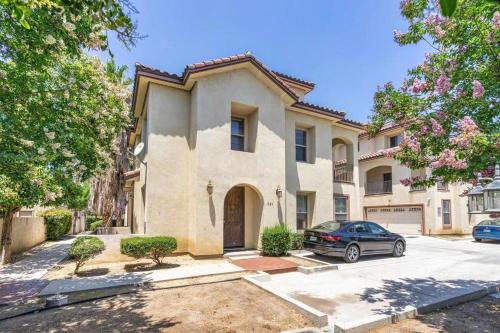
(345, 47)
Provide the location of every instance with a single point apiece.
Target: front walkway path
(137, 278)
(23, 278)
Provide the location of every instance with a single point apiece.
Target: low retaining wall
(26, 233)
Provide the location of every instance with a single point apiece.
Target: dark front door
(234, 218)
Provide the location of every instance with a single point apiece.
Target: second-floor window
(301, 145)
(237, 134)
(394, 141)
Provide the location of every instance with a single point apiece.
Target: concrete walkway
(23, 278)
(432, 271)
(125, 279)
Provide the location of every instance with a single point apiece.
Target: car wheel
(477, 239)
(399, 249)
(351, 254)
(318, 254)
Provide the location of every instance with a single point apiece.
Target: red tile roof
(296, 80)
(372, 155)
(276, 77)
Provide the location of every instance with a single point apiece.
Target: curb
(372, 322)
(317, 317)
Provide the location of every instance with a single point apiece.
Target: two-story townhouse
(230, 147)
(414, 210)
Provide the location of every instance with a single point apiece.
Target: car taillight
(331, 238)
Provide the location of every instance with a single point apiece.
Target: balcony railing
(380, 187)
(343, 173)
(417, 188)
(442, 186)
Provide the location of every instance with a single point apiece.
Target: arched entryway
(242, 216)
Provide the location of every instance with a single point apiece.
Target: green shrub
(276, 240)
(297, 241)
(85, 248)
(57, 223)
(95, 225)
(92, 219)
(154, 248)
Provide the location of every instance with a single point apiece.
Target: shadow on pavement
(396, 295)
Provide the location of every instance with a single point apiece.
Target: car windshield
(330, 225)
(490, 222)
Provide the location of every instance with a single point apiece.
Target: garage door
(399, 219)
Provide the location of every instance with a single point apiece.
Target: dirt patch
(233, 306)
(102, 266)
(481, 315)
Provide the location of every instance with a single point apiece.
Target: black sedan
(352, 239)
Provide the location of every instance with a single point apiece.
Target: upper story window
(237, 134)
(395, 141)
(301, 145)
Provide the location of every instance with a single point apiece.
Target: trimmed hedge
(57, 223)
(154, 248)
(297, 241)
(276, 240)
(85, 248)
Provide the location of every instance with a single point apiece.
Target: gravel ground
(232, 306)
(482, 315)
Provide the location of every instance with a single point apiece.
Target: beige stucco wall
(430, 198)
(187, 136)
(26, 233)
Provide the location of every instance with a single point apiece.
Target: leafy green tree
(60, 109)
(448, 104)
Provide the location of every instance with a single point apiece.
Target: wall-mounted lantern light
(279, 192)
(210, 188)
(492, 193)
(476, 197)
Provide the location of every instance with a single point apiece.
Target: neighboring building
(415, 210)
(230, 147)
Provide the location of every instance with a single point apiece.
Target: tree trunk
(6, 248)
(75, 217)
(107, 196)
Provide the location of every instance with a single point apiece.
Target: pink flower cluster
(410, 181)
(389, 152)
(496, 21)
(434, 22)
(447, 158)
(437, 129)
(477, 89)
(413, 144)
(443, 84)
(468, 129)
(424, 130)
(404, 4)
(417, 86)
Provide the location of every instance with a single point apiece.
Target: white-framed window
(446, 213)
(301, 145)
(395, 140)
(302, 211)
(341, 207)
(238, 134)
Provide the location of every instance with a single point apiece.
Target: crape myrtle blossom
(447, 159)
(437, 129)
(411, 180)
(443, 84)
(496, 21)
(418, 87)
(477, 89)
(468, 129)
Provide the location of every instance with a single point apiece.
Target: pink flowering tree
(449, 103)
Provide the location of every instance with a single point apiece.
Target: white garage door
(398, 219)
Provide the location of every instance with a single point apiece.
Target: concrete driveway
(431, 271)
